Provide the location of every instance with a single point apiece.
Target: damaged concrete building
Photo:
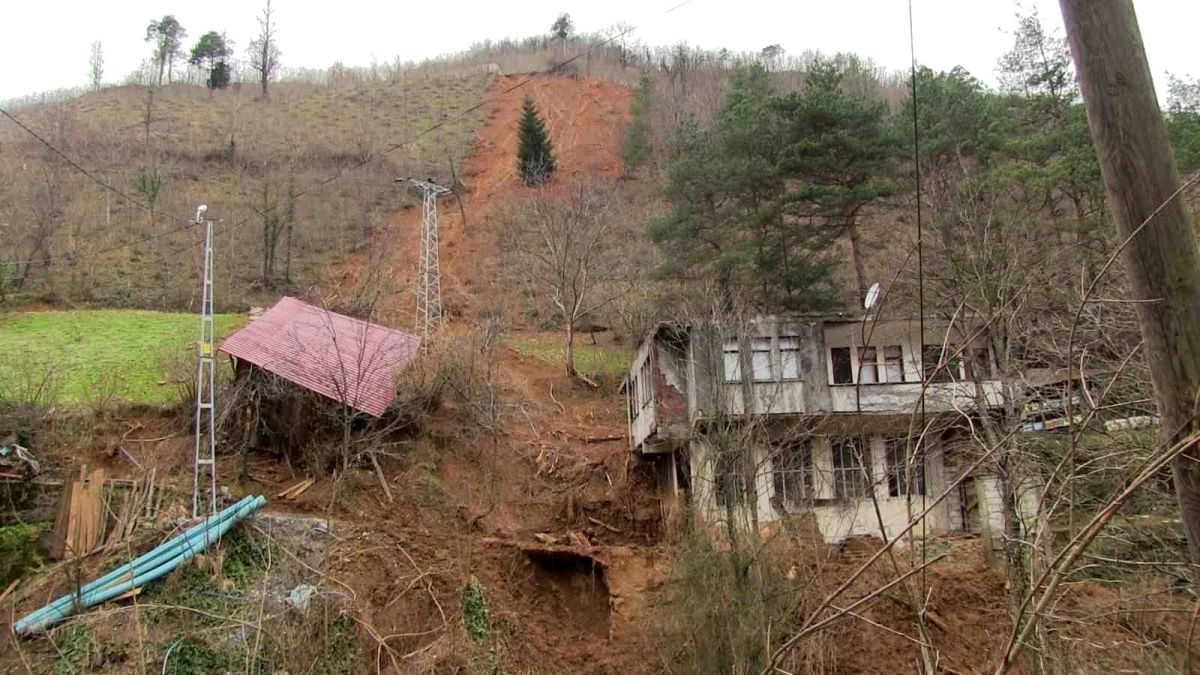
(806, 421)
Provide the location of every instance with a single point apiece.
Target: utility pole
(429, 277)
(1143, 186)
(204, 468)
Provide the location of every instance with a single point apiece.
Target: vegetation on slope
(297, 183)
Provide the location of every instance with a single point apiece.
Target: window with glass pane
(893, 364)
(900, 476)
(733, 362)
(850, 459)
(760, 349)
(789, 357)
(839, 358)
(868, 370)
(792, 474)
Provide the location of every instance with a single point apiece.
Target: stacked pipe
(153, 565)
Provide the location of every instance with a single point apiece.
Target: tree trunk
(860, 275)
(1140, 177)
(570, 348)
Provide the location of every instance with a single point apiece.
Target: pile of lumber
(79, 526)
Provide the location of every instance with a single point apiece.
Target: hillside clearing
(122, 354)
(550, 347)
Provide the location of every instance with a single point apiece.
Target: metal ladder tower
(204, 469)
(429, 277)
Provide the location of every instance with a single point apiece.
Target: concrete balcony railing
(904, 398)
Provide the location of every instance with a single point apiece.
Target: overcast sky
(971, 33)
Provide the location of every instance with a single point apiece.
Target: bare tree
(96, 65)
(264, 53)
(565, 248)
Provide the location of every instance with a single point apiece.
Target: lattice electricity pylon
(429, 277)
(206, 442)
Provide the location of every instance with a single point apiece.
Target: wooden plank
(295, 490)
(301, 488)
(94, 507)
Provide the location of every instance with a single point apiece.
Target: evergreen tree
(535, 154)
(727, 220)
(210, 53)
(838, 151)
(636, 148)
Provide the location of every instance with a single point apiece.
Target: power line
(337, 174)
(75, 165)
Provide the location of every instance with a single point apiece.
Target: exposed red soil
(585, 118)
(470, 505)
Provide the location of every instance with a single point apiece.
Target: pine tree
(836, 152)
(727, 221)
(535, 154)
(635, 150)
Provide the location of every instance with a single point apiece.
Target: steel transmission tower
(429, 277)
(205, 465)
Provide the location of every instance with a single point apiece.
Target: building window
(647, 384)
(729, 481)
(893, 364)
(900, 476)
(792, 474)
(951, 367)
(868, 369)
(733, 361)
(789, 357)
(981, 366)
(850, 461)
(760, 361)
(632, 396)
(843, 372)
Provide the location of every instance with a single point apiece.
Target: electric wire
(912, 48)
(329, 179)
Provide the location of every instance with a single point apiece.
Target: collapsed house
(807, 420)
(337, 357)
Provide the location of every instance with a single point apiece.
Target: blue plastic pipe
(167, 550)
(153, 565)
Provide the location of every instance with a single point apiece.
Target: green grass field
(589, 358)
(125, 353)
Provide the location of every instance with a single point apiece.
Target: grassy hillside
(298, 182)
(79, 357)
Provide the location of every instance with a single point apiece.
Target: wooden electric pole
(1142, 183)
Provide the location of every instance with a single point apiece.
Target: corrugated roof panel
(346, 359)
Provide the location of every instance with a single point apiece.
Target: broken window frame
(789, 357)
(893, 364)
(851, 462)
(868, 362)
(840, 356)
(792, 474)
(760, 360)
(941, 365)
(732, 361)
(895, 458)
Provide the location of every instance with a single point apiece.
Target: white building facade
(812, 422)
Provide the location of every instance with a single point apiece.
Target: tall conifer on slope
(535, 154)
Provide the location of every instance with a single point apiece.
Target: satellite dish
(872, 296)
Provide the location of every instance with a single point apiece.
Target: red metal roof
(346, 359)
